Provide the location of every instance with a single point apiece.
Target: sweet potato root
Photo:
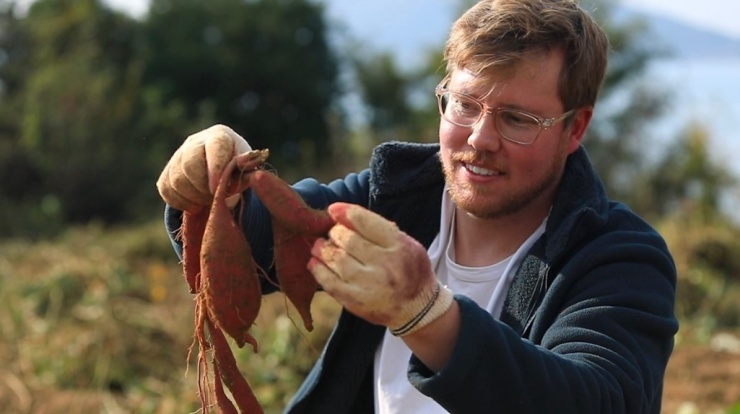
(295, 227)
(292, 253)
(224, 404)
(227, 372)
(287, 207)
(219, 268)
(195, 216)
(228, 272)
(193, 227)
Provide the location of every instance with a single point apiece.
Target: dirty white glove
(378, 272)
(191, 176)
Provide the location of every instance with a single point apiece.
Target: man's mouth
(480, 170)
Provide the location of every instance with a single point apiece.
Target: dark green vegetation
(93, 102)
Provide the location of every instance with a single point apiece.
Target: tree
(72, 80)
(626, 107)
(384, 90)
(262, 67)
(686, 178)
(93, 102)
(686, 189)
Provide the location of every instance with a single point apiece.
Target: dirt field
(704, 379)
(699, 380)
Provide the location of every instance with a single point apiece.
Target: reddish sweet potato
(292, 253)
(287, 207)
(227, 372)
(229, 276)
(218, 266)
(193, 227)
(295, 227)
(224, 404)
(195, 216)
(200, 339)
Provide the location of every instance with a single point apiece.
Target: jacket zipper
(535, 300)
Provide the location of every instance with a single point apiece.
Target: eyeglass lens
(512, 124)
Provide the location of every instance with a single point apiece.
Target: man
(489, 273)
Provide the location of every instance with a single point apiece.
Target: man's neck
(483, 242)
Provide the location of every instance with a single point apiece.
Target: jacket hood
(580, 205)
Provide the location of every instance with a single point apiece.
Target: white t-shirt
(487, 286)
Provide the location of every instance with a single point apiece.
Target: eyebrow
(516, 107)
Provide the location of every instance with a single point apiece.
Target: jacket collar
(580, 206)
(580, 197)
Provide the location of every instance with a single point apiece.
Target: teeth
(480, 171)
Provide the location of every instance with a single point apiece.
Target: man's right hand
(191, 176)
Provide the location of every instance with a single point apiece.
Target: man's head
(523, 77)
(492, 37)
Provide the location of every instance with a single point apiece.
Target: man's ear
(578, 127)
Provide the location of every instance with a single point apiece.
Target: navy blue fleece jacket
(588, 322)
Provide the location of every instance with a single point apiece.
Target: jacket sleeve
(255, 218)
(600, 340)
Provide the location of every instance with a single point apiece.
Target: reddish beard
(482, 201)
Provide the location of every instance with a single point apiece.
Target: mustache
(474, 157)
(467, 157)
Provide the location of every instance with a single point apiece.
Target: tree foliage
(616, 140)
(93, 102)
(262, 67)
(685, 178)
(68, 108)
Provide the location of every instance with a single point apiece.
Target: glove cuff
(424, 310)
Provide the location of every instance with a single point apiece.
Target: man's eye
(517, 119)
(464, 105)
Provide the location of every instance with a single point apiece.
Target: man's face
(491, 177)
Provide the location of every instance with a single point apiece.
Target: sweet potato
(292, 253)
(224, 404)
(229, 275)
(218, 267)
(200, 339)
(287, 207)
(295, 227)
(193, 227)
(227, 372)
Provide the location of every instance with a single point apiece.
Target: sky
(722, 16)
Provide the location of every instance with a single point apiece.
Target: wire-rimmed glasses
(514, 125)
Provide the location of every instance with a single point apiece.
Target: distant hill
(683, 40)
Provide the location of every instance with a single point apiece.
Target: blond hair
(493, 35)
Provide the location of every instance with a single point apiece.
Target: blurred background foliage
(93, 103)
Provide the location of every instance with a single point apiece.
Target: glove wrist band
(439, 303)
